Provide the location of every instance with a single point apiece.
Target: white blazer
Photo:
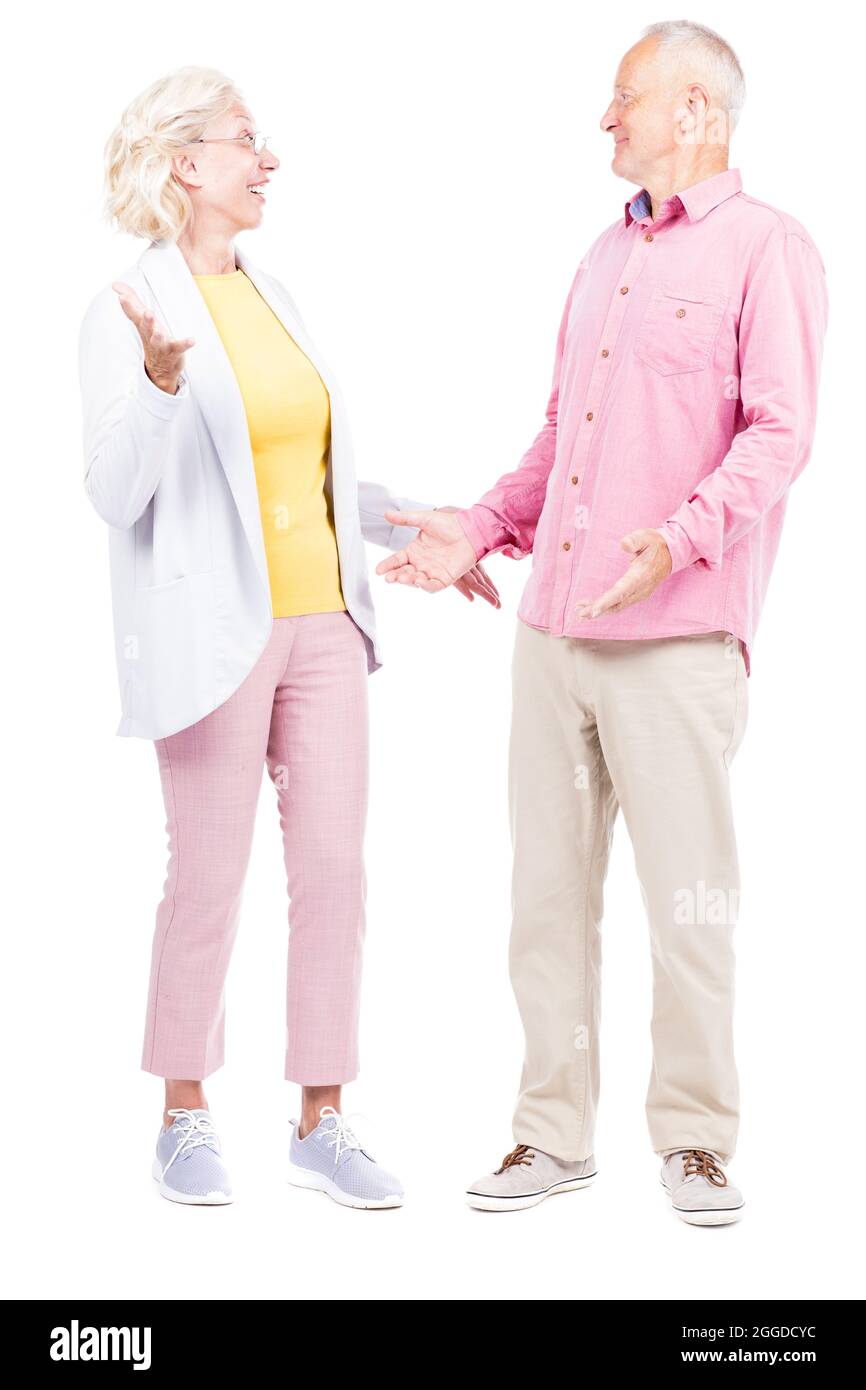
(174, 478)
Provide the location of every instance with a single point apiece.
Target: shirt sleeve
(506, 517)
(781, 338)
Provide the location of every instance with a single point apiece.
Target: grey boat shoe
(525, 1177)
(698, 1188)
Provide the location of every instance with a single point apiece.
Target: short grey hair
(717, 60)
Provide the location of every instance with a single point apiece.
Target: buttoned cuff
(484, 533)
(682, 551)
(156, 401)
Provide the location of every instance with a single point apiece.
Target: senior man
(683, 406)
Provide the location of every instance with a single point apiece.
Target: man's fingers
(640, 580)
(627, 589)
(407, 518)
(588, 608)
(482, 587)
(393, 562)
(631, 543)
(398, 576)
(636, 541)
(485, 584)
(614, 598)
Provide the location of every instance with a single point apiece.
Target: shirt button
(574, 477)
(566, 545)
(589, 415)
(623, 289)
(605, 352)
(648, 237)
(681, 313)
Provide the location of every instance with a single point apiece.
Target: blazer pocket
(190, 580)
(679, 328)
(174, 631)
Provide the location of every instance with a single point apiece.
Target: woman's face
(219, 176)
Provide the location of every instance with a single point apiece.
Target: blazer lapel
(345, 512)
(212, 380)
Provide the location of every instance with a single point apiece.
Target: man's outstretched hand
(439, 556)
(651, 564)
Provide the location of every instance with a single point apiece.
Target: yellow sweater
(289, 415)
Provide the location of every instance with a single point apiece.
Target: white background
(443, 172)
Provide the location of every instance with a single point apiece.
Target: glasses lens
(260, 142)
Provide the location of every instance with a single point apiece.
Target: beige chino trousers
(650, 726)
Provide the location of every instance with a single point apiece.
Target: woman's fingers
(150, 334)
(154, 338)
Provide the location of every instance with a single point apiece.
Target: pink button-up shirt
(684, 398)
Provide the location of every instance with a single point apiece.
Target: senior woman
(217, 450)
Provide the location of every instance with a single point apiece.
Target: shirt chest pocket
(679, 328)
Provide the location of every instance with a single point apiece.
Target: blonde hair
(142, 196)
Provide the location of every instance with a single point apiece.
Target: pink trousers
(302, 711)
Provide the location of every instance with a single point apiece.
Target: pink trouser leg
(318, 761)
(211, 776)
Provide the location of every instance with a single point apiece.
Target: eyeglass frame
(233, 139)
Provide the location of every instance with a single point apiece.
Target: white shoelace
(200, 1130)
(341, 1136)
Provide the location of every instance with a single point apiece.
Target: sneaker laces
(341, 1135)
(519, 1155)
(702, 1163)
(200, 1130)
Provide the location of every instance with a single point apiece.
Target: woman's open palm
(163, 355)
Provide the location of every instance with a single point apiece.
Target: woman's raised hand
(163, 356)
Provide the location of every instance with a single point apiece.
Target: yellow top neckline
(229, 275)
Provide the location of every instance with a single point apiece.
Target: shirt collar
(697, 200)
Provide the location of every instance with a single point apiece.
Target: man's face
(644, 116)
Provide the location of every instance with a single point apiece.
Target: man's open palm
(440, 555)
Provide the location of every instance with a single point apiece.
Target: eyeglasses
(257, 142)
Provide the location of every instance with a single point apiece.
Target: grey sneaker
(330, 1159)
(188, 1164)
(526, 1177)
(699, 1191)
